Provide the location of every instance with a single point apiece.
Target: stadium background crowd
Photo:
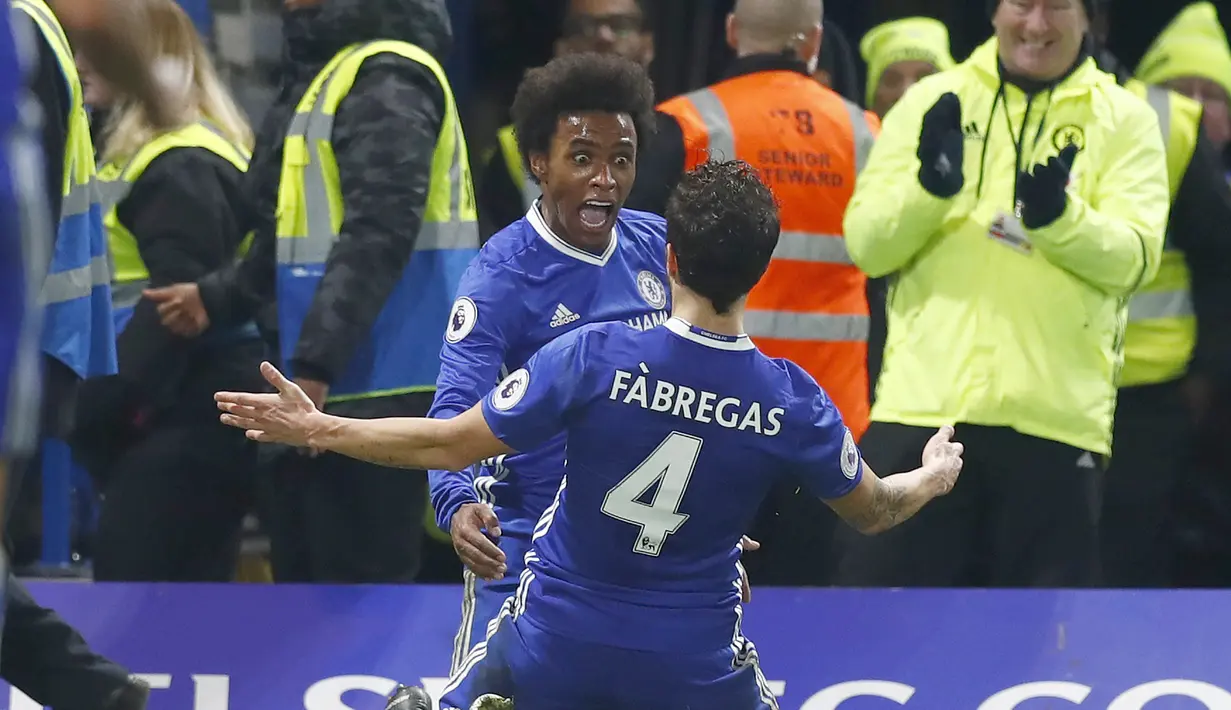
(318, 174)
(871, 52)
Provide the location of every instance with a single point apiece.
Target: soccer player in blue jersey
(675, 434)
(575, 258)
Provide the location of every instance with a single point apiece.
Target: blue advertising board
(258, 647)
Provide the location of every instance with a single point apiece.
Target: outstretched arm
(878, 504)
(289, 417)
(412, 442)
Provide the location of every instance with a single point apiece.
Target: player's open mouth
(595, 214)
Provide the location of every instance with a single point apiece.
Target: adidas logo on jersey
(563, 316)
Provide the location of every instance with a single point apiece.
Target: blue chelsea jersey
(675, 436)
(526, 288)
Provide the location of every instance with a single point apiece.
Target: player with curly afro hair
(580, 121)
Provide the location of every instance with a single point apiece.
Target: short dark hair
(722, 224)
(580, 83)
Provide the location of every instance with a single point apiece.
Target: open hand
(943, 457)
(473, 528)
(288, 417)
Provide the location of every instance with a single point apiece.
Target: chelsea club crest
(651, 290)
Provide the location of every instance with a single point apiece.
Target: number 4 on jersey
(670, 466)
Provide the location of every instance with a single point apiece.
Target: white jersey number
(670, 466)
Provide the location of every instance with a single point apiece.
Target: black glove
(1042, 193)
(941, 147)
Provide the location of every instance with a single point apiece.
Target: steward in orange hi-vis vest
(808, 144)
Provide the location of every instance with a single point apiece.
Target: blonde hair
(183, 67)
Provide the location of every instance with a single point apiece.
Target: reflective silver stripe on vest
(314, 247)
(1151, 305)
(717, 123)
(432, 235)
(79, 199)
(815, 248)
(76, 283)
(126, 295)
(863, 135)
(1160, 100)
(112, 192)
(722, 137)
(806, 326)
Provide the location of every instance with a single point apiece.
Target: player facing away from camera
(630, 597)
(575, 258)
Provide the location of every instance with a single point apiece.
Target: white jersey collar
(688, 331)
(540, 225)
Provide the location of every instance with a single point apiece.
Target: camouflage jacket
(384, 135)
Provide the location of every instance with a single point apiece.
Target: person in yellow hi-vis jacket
(360, 198)
(1018, 200)
(1177, 346)
(899, 54)
(1162, 517)
(170, 512)
(1190, 56)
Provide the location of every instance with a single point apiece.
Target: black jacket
(180, 212)
(384, 135)
(838, 59)
(1198, 225)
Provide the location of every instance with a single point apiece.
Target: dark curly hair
(722, 223)
(580, 83)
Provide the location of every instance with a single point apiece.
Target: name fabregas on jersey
(679, 400)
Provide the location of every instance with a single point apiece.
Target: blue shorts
(544, 671)
(481, 601)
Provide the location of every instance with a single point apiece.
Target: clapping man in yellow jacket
(1019, 199)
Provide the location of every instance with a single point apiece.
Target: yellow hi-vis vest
(129, 276)
(1162, 327)
(509, 149)
(76, 288)
(401, 353)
